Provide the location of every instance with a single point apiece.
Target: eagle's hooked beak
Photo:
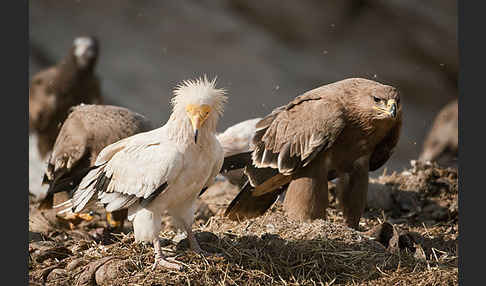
(392, 107)
(198, 114)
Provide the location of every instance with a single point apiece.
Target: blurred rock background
(264, 52)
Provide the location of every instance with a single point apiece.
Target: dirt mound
(416, 244)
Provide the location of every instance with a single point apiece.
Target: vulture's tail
(93, 182)
(63, 184)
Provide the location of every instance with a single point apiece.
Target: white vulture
(161, 170)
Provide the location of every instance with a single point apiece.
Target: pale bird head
(85, 51)
(198, 115)
(201, 100)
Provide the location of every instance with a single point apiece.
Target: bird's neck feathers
(366, 119)
(179, 128)
(360, 115)
(69, 73)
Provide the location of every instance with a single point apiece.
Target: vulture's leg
(146, 227)
(160, 258)
(307, 195)
(192, 238)
(352, 190)
(193, 241)
(184, 216)
(195, 245)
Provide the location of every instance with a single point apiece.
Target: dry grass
(270, 249)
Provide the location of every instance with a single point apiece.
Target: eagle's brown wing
(293, 135)
(287, 139)
(385, 148)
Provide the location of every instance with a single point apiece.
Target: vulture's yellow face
(198, 115)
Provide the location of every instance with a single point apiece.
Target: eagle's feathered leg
(307, 195)
(352, 189)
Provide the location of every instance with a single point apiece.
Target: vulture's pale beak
(392, 107)
(198, 115)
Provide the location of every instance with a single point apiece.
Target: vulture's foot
(195, 245)
(161, 260)
(164, 262)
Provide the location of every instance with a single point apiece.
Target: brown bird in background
(343, 129)
(54, 90)
(442, 139)
(85, 132)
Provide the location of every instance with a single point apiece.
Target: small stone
(111, 270)
(178, 237)
(75, 263)
(56, 274)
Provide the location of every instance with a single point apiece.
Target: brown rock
(56, 274)
(391, 238)
(76, 263)
(382, 233)
(87, 277)
(111, 270)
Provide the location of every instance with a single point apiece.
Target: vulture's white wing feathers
(237, 138)
(140, 166)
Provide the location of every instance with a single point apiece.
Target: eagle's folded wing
(293, 135)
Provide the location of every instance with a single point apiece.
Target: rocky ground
(409, 236)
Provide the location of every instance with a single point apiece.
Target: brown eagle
(54, 90)
(85, 132)
(344, 129)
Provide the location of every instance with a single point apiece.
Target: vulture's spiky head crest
(200, 91)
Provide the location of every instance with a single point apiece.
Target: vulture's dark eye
(376, 99)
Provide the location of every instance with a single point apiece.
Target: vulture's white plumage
(236, 139)
(163, 169)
